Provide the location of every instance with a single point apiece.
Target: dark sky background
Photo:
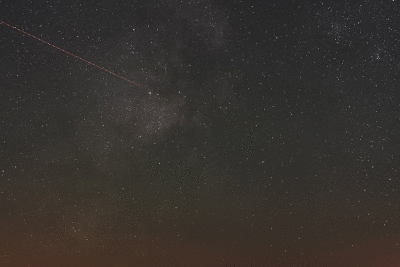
(263, 133)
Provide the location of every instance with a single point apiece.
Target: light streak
(69, 53)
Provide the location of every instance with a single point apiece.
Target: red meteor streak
(69, 53)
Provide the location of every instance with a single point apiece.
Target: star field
(263, 133)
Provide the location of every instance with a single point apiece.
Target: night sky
(263, 133)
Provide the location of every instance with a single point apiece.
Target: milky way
(262, 133)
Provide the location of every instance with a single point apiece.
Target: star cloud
(127, 121)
